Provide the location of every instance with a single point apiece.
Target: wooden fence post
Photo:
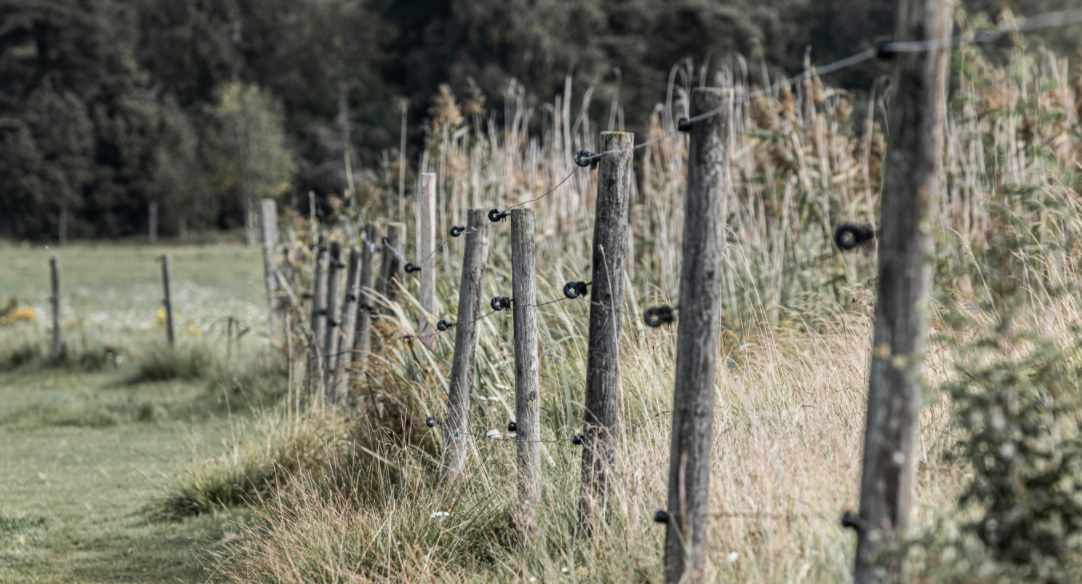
(330, 332)
(527, 368)
(426, 253)
(167, 302)
(319, 285)
(152, 222)
(362, 339)
(340, 379)
(388, 271)
(456, 437)
(698, 339)
(912, 182)
(602, 412)
(54, 301)
(269, 220)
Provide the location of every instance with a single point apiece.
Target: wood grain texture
(527, 367)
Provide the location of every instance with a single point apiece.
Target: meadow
(285, 491)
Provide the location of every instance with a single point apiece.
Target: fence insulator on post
(426, 252)
(602, 407)
(527, 424)
(848, 236)
(911, 187)
(456, 437)
(698, 339)
(574, 290)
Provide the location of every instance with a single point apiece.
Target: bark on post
(527, 369)
(340, 378)
(602, 412)
(698, 336)
(54, 301)
(362, 339)
(269, 220)
(456, 437)
(426, 253)
(167, 302)
(388, 271)
(330, 332)
(910, 196)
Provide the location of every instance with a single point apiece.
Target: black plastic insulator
(578, 439)
(573, 290)
(496, 215)
(431, 422)
(351, 298)
(501, 303)
(457, 231)
(659, 315)
(585, 159)
(444, 325)
(683, 125)
(512, 426)
(852, 521)
(849, 236)
(661, 516)
(410, 268)
(885, 50)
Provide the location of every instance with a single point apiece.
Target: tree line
(111, 107)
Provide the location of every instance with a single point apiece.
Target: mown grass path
(82, 457)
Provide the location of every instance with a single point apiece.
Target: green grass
(89, 443)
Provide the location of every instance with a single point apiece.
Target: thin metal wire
(547, 193)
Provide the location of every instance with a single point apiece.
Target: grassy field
(84, 455)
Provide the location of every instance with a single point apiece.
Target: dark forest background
(110, 106)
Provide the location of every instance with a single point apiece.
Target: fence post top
(618, 135)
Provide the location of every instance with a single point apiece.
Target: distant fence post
(152, 222)
(456, 437)
(54, 301)
(911, 186)
(269, 220)
(698, 339)
(426, 253)
(388, 271)
(340, 379)
(167, 302)
(319, 286)
(527, 368)
(330, 332)
(602, 412)
(362, 339)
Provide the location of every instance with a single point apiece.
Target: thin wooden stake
(167, 302)
(340, 378)
(527, 368)
(911, 187)
(269, 220)
(456, 436)
(698, 339)
(388, 271)
(330, 331)
(54, 300)
(602, 412)
(362, 340)
(426, 254)
(314, 375)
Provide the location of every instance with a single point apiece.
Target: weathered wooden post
(426, 253)
(269, 220)
(906, 257)
(167, 302)
(456, 437)
(602, 414)
(388, 271)
(527, 368)
(362, 339)
(319, 285)
(152, 222)
(340, 378)
(334, 268)
(54, 301)
(698, 335)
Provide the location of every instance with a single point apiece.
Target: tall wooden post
(698, 335)
(362, 340)
(527, 368)
(340, 378)
(314, 374)
(269, 221)
(167, 302)
(602, 415)
(334, 268)
(54, 301)
(388, 271)
(426, 252)
(907, 214)
(456, 437)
